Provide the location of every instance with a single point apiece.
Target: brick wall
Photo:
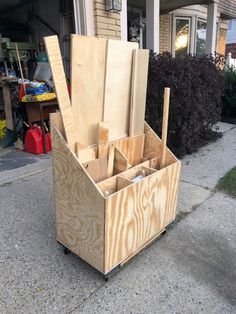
(107, 24)
(165, 33)
(221, 45)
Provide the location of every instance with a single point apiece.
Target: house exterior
(177, 26)
(231, 38)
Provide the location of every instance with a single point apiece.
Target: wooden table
(40, 111)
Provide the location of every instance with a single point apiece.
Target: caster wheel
(106, 278)
(66, 251)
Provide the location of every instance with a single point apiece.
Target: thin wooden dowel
(165, 126)
(21, 72)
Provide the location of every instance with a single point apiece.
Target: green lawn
(227, 183)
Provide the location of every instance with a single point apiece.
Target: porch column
(123, 21)
(211, 28)
(153, 24)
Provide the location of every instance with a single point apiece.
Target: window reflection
(182, 33)
(201, 37)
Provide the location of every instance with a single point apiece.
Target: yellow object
(3, 128)
(36, 98)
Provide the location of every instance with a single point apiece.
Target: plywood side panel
(54, 56)
(79, 206)
(153, 146)
(56, 120)
(138, 91)
(118, 87)
(132, 148)
(136, 214)
(88, 63)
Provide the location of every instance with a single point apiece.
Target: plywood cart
(112, 196)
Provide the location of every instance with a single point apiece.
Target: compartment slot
(155, 163)
(132, 148)
(138, 173)
(86, 154)
(97, 169)
(121, 163)
(114, 184)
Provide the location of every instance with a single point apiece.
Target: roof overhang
(170, 5)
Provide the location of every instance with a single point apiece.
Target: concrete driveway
(191, 269)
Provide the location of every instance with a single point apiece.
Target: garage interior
(24, 68)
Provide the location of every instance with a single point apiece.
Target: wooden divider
(132, 148)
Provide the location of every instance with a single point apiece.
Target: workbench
(5, 83)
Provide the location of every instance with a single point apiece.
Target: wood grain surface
(132, 148)
(153, 147)
(120, 162)
(118, 87)
(55, 60)
(79, 206)
(88, 64)
(138, 91)
(137, 213)
(103, 137)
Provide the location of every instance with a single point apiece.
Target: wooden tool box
(111, 197)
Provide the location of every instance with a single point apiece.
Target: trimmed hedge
(195, 106)
(229, 98)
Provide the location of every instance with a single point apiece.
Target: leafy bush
(229, 98)
(195, 106)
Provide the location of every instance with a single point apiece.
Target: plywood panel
(88, 58)
(138, 91)
(132, 148)
(79, 206)
(97, 169)
(56, 120)
(117, 87)
(103, 137)
(54, 56)
(153, 146)
(120, 162)
(137, 213)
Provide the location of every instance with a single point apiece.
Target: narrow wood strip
(165, 126)
(111, 155)
(103, 135)
(55, 60)
(138, 91)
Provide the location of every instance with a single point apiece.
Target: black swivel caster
(66, 251)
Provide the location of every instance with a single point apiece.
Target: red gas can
(34, 141)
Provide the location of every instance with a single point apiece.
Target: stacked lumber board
(116, 182)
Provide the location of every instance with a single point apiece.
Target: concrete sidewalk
(191, 269)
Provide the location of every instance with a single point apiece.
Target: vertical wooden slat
(138, 91)
(54, 56)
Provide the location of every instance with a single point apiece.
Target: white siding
(231, 33)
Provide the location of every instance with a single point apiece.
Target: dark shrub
(229, 98)
(195, 105)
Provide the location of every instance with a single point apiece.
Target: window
(182, 31)
(201, 37)
(137, 26)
